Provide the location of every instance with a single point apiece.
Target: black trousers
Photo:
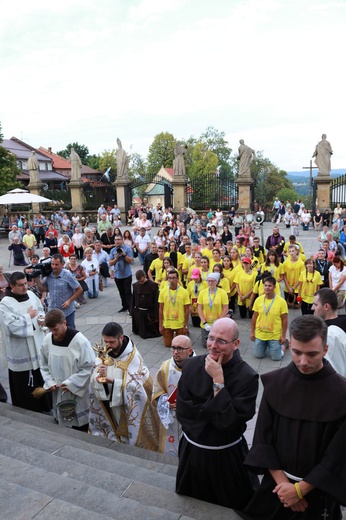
(104, 270)
(124, 286)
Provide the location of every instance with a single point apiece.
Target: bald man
(166, 381)
(216, 397)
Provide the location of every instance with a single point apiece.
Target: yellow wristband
(299, 493)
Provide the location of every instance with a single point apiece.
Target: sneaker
(77, 305)
(122, 310)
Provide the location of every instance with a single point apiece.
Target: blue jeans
(70, 320)
(273, 345)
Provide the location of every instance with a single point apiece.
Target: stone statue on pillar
(33, 168)
(122, 162)
(323, 152)
(76, 165)
(245, 157)
(178, 162)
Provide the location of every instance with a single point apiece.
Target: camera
(43, 268)
(119, 251)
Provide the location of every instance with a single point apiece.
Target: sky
(266, 71)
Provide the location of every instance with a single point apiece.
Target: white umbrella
(19, 196)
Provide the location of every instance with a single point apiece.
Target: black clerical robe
(215, 475)
(145, 309)
(301, 429)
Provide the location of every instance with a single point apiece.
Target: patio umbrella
(19, 196)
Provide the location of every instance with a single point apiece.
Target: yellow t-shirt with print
(212, 304)
(194, 289)
(246, 282)
(292, 271)
(174, 302)
(268, 323)
(310, 283)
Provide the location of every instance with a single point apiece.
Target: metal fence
(338, 191)
(212, 191)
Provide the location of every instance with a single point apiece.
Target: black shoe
(3, 394)
(122, 310)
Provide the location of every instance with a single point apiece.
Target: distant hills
(301, 181)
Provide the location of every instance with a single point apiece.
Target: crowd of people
(193, 271)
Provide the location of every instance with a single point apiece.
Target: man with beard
(120, 404)
(145, 307)
(22, 337)
(276, 242)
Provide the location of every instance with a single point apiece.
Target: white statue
(245, 158)
(322, 154)
(33, 167)
(76, 165)
(122, 161)
(178, 162)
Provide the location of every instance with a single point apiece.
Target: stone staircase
(49, 472)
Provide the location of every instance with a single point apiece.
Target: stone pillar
(244, 188)
(323, 192)
(179, 194)
(77, 196)
(120, 187)
(35, 188)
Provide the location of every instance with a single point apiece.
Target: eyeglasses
(220, 341)
(178, 349)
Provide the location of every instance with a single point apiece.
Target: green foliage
(288, 194)
(94, 162)
(268, 179)
(108, 158)
(81, 149)
(138, 167)
(215, 141)
(161, 153)
(8, 169)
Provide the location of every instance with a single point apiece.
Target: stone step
(80, 465)
(47, 421)
(59, 443)
(21, 503)
(82, 495)
(40, 447)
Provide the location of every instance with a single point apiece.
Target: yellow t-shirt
(292, 271)
(259, 288)
(276, 271)
(156, 265)
(268, 323)
(207, 252)
(194, 291)
(246, 282)
(204, 274)
(29, 240)
(260, 257)
(194, 266)
(230, 274)
(212, 304)
(224, 284)
(174, 307)
(212, 263)
(310, 283)
(188, 262)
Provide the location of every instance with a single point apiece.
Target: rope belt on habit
(212, 447)
(292, 477)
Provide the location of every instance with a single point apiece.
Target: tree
(138, 167)
(215, 141)
(8, 169)
(268, 179)
(287, 194)
(108, 158)
(161, 153)
(94, 162)
(81, 149)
